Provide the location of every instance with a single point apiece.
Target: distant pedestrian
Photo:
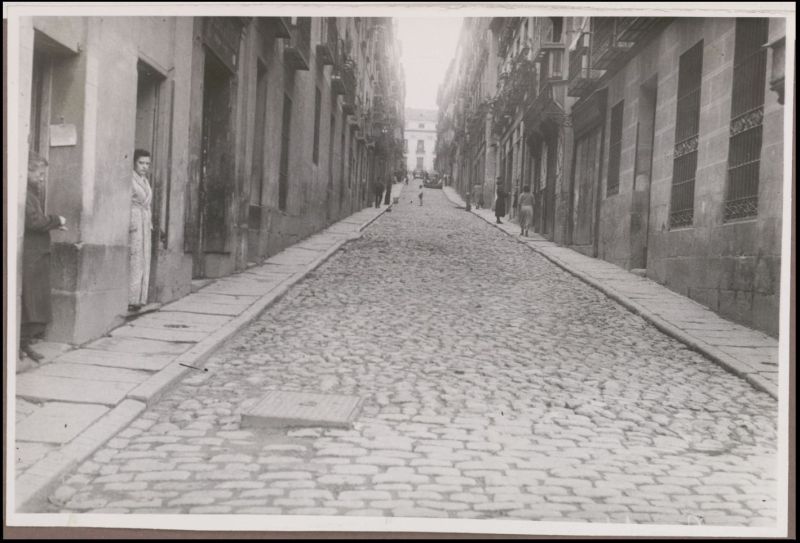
(500, 203)
(477, 195)
(525, 210)
(377, 191)
(420, 195)
(36, 307)
(387, 195)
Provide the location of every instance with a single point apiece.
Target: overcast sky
(428, 45)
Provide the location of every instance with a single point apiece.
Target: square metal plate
(278, 409)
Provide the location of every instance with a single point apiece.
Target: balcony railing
(607, 46)
(349, 83)
(296, 53)
(582, 76)
(328, 47)
(281, 27)
(633, 29)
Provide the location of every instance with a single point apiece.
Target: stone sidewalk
(747, 353)
(69, 406)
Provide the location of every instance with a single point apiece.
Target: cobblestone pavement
(496, 385)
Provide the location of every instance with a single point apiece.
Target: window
(558, 26)
(747, 113)
(283, 178)
(420, 146)
(556, 60)
(614, 150)
(419, 162)
(317, 108)
(422, 125)
(687, 127)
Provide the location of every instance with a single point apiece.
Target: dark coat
(500, 204)
(36, 261)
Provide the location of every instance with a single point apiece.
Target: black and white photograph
(385, 268)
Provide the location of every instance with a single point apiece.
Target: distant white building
(420, 138)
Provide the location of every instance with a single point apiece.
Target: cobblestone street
(495, 385)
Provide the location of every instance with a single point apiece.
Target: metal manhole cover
(280, 409)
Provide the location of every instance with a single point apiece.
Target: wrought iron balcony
(337, 83)
(608, 48)
(547, 45)
(633, 29)
(328, 47)
(296, 53)
(582, 76)
(281, 27)
(349, 82)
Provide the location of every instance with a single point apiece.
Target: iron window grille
(614, 150)
(687, 128)
(747, 114)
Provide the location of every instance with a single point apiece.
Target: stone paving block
(92, 357)
(205, 308)
(34, 385)
(253, 285)
(138, 346)
(93, 373)
(161, 334)
(294, 257)
(176, 320)
(27, 453)
(50, 350)
(59, 422)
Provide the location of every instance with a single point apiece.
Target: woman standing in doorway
(139, 233)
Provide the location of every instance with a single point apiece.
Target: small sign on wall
(63, 135)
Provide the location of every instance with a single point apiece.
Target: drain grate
(278, 409)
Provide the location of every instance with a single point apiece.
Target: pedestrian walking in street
(477, 195)
(387, 195)
(420, 195)
(500, 202)
(36, 308)
(525, 210)
(377, 191)
(139, 232)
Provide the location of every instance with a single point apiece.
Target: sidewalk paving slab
(93, 357)
(748, 353)
(110, 381)
(37, 386)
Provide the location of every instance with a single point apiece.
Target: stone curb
(36, 481)
(729, 363)
(39, 478)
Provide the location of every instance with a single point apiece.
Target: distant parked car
(419, 174)
(433, 182)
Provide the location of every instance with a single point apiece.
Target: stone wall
(732, 267)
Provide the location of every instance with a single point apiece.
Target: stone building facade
(263, 130)
(653, 143)
(420, 139)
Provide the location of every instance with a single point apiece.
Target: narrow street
(495, 385)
